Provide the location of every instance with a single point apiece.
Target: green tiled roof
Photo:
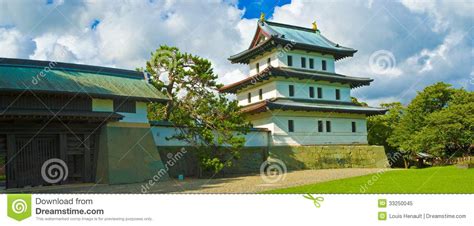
(302, 35)
(296, 38)
(354, 82)
(311, 105)
(43, 76)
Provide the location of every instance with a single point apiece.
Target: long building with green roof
(90, 120)
(294, 91)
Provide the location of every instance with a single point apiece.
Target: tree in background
(381, 127)
(203, 117)
(437, 121)
(451, 129)
(356, 101)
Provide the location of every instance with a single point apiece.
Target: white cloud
(428, 40)
(13, 44)
(128, 30)
(405, 30)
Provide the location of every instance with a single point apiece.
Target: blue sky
(415, 43)
(253, 8)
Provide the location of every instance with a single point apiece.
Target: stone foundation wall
(249, 162)
(328, 157)
(294, 157)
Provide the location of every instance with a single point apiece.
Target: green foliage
(450, 129)
(439, 121)
(356, 101)
(205, 118)
(381, 127)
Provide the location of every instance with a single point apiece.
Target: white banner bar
(56, 209)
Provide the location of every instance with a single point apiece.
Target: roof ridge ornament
(315, 27)
(262, 17)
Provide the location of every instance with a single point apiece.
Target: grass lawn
(2, 177)
(447, 179)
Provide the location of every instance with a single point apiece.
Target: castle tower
(294, 91)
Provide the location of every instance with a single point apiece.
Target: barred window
(127, 106)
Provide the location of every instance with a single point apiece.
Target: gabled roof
(292, 36)
(17, 75)
(296, 104)
(297, 74)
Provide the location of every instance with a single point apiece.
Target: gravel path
(238, 184)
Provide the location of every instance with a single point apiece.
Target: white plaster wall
(262, 60)
(107, 105)
(279, 88)
(302, 90)
(306, 128)
(265, 121)
(268, 90)
(252, 139)
(296, 54)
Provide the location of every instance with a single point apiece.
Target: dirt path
(238, 184)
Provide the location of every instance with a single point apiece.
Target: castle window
(354, 129)
(290, 126)
(260, 94)
(127, 106)
(269, 62)
(311, 92)
(338, 94)
(324, 65)
(303, 62)
(289, 60)
(311, 63)
(249, 98)
(258, 67)
(320, 92)
(320, 126)
(291, 90)
(328, 126)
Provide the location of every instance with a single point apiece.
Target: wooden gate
(30, 152)
(26, 154)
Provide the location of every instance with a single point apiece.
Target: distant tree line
(438, 121)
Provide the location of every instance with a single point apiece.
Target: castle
(294, 90)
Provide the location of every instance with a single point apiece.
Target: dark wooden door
(29, 155)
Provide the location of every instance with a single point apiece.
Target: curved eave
(268, 105)
(276, 106)
(245, 56)
(278, 72)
